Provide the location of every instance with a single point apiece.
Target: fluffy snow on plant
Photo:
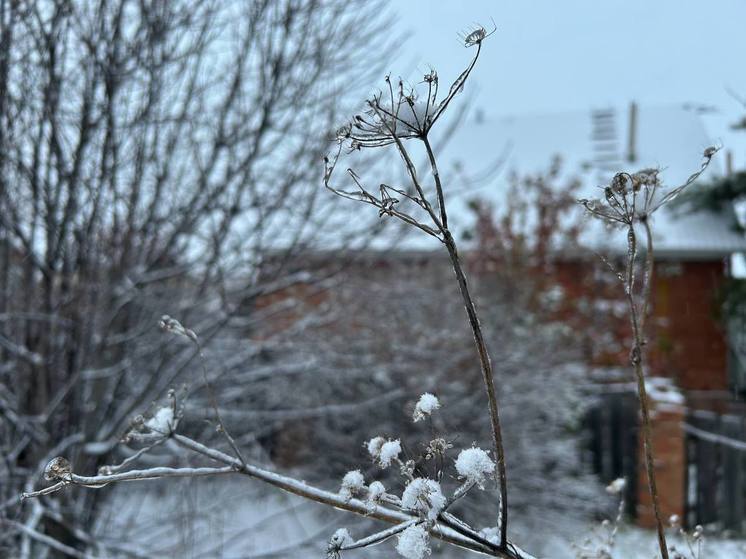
(413, 542)
(352, 483)
(341, 537)
(389, 451)
(162, 420)
(424, 495)
(474, 464)
(616, 486)
(374, 446)
(426, 405)
(491, 534)
(376, 490)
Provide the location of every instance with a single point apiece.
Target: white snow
(474, 464)
(247, 520)
(616, 486)
(663, 390)
(352, 483)
(425, 496)
(376, 490)
(342, 537)
(413, 543)
(374, 446)
(389, 451)
(162, 421)
(426, 405)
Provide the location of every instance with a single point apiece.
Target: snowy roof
(593, 145)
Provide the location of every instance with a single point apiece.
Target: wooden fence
(612, 428)
(716, 470)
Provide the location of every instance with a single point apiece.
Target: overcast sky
(550, 55)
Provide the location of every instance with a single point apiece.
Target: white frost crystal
(413, 542)
(389, 451)
(474, 464)
(352, 483)
(424, 495)
(426, 405)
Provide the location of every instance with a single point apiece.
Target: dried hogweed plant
(629, 202)
(396, 117)
(421, 511)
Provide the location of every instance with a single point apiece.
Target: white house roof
(593, 145)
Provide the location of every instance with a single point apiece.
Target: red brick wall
(687, 340)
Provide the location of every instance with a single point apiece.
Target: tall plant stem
(489, 381)
(636, 358)
(484, 356)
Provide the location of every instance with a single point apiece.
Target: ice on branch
(474, 464)
(413, 543)
(352, 483)
(424, 496)
(426, 405)
(390, 450)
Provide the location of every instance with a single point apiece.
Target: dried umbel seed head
(431, 77)
(475, 37)
(619, 183)
(58, 468)
(710, 151)
(437, 447)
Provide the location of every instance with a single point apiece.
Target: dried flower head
(437, 447)
(340, 538)
(475, 37)
(58, 468)
(426, 405)
(352, 483)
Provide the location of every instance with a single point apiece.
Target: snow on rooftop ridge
(668, 137)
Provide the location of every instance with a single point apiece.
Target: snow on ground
(237, 518)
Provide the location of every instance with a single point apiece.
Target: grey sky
(550, 55)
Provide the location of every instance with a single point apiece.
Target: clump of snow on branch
(390, 450)
(426, 405)
(474, 464)
(374, 447)
(376, 491)
(162, 420)
(413, 543)
(340, 539)
(424, 496)
(352, 483)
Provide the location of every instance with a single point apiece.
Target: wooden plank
(732, 504)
